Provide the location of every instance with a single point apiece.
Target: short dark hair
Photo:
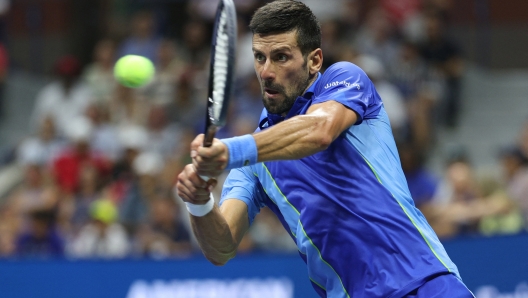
(284, 16)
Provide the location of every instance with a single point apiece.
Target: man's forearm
(214, 236)
(297, 138)
(304, 135)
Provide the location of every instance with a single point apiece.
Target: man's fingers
(212, 152)
(211, 183)
(183, 193)
(193, 175)
(209, 169)
(191, 193)
(197, 142)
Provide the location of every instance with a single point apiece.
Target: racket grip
(209, 136)
(208, 141)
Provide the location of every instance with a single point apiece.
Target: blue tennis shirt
(348, 208)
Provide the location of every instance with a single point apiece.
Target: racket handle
(208, 141)
(209, 136)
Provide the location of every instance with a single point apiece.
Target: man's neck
(312, 80)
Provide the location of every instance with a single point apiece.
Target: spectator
(161, 90)
(460, 205)
(248, 101)
(188, 105)
(392, 98)
(9, 224)
(63, 99)
(375, 37)
(399, 12)
(5, 6)
(445, 57)
(206, 9)
(133, 140)
(142, 40)
(187, 108)
(422, 91)
(523, 138)
(244, 57)
(127, 107)
(244, 112)
(515, 170)
(162, 136)
(105, 135)
(324, 10)
(69, 164)
(4, 67)
(36, 192)
(89, 191)
(196, 43)
(164, 234)
(99, 75)
(40, 239)
(47, 144)
(507, 221)
(350, 17)
(411, 74)
(422, 183)
(135, 207)
(332, 33)
(103, 237)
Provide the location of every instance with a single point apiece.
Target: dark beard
(289, 98)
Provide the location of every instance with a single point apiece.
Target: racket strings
(220, 64)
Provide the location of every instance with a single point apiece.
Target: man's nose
(267, 73)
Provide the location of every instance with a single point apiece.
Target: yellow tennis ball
(133, 71)
(103, 210)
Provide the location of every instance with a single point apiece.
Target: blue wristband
(242, 151)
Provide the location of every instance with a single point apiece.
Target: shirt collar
(311, 90)
(300, 106)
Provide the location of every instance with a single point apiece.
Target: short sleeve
(347, 84)
(243, 185)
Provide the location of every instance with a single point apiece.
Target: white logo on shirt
(344, 82)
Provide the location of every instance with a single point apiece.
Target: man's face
(281, 69)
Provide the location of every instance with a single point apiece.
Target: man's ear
(315, 61)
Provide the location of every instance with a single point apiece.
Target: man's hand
(193, 189)
(209, 161)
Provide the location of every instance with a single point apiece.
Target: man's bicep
(341, 117)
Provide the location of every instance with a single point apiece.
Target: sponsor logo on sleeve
(344, 83)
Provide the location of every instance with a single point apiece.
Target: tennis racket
(221, 70)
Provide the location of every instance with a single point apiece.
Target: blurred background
(87, 166)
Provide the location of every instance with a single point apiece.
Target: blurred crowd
(101, 163)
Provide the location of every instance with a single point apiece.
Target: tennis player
(324, 160)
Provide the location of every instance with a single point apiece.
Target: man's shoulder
(341, 73)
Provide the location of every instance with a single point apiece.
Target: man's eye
(259, 57)
(282, 57)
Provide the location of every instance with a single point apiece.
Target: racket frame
(212, 123)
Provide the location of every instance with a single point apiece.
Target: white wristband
(201, 210)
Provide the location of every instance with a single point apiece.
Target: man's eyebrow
(281, 49)
(274, 51)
